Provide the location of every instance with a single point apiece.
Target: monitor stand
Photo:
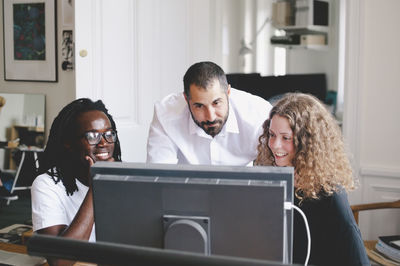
(187, 233)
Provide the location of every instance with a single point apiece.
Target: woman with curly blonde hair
(301, 133)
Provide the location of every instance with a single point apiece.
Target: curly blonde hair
(321, 163)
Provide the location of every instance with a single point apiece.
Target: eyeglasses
(94, 137)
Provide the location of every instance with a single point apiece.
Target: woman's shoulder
(339, 199)
(339, 208)
(335, 201)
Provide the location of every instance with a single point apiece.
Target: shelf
(31, 128)
(308, 32)
(305, 29)
(303, 38)
(298, 46)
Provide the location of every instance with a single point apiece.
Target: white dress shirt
(175, 138)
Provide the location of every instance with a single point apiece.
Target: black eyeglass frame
(113, 135)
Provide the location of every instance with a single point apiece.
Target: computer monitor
(219, 210)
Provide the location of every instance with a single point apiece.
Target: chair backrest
(374, 206)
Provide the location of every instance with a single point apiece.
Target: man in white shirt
(209, 123)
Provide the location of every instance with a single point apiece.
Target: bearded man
(210, 123)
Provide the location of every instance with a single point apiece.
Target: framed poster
(30, 40)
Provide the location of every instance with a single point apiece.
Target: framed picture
(30, 40)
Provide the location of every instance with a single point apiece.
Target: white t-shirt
(52, 206)
(175, 138)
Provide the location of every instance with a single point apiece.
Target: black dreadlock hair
(57, 161)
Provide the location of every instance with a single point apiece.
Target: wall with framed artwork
(58, 92)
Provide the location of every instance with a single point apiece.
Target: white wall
(11, 113)
(240, 21)
(380, 95)
(34, 108)
(232, 32)
(371, 115)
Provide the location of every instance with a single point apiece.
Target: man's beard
(218, 124)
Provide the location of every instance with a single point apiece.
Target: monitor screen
(219, 210)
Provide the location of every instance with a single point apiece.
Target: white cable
(289, 205)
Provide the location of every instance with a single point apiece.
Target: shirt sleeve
(47, 208)
(160, 147)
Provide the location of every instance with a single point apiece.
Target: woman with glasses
(82, 134)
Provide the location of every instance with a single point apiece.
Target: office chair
(27, 169)
(373, 206)
(368, 244)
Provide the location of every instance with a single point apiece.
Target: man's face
(209, 107)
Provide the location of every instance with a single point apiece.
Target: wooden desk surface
(13, 248)
(16, 249)
(22, 249)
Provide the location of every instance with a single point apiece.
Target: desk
(25, 236)
(13, 248)
(20, 249)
